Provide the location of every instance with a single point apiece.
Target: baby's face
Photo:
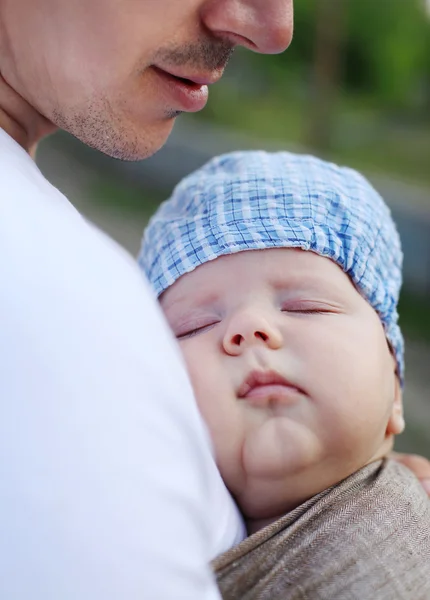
(291, 371)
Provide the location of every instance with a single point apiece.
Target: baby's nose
(248, 329)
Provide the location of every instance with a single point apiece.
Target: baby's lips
(257, 379)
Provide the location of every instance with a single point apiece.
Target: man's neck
(20, 120)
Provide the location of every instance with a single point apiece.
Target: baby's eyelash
(195, 331)
(308, 311)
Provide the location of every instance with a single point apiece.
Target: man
(105, 491)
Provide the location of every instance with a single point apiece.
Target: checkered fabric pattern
(256, 200)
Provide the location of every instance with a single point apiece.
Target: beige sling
(367, 538)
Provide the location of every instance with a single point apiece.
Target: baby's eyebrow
(313, 289)
(301, 281)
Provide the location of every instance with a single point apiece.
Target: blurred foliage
(133, 200)
(355, 88)
(385, 52)
(415, 440)
(390, 40)
(414, 315)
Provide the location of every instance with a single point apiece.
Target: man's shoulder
(61, 276)
(42, 234)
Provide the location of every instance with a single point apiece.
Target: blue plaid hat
(256, 200)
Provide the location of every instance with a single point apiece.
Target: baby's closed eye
(195, 327)
(310, 307)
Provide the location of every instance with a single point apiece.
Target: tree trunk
(330, 34)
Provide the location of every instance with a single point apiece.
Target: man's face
(115, 73)
(291, 371)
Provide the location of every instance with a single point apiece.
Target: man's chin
(134, 147)
(128, 139)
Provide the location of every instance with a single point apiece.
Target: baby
(280, 275)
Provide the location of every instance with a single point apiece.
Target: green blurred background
(353, 87)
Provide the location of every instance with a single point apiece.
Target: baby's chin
(283, 463)
(279, 449)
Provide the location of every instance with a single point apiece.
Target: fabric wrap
(366, 538)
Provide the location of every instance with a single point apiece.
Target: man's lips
(181, 93)
(196, 78)
(263, 385)
(184, 90)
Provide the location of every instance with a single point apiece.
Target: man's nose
(246, 329)
(264, 26)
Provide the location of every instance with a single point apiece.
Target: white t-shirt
(108, 489)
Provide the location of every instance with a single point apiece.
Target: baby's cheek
(210, 387)
(195, 361)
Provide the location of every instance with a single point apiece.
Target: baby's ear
(396, 422)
